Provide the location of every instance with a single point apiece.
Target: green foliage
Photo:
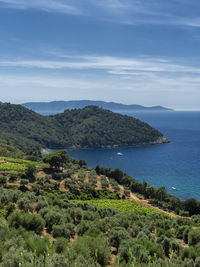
(40, 226)
(192, 206)
(121, 205)
(30, 172)
(194, 237)
(13, 176)
(87, 127)
(97, 248)
(3, 180)
(6, 150)
(56, 159)
(16, 164)
(63, 230)
(117, 235)
(30, 222)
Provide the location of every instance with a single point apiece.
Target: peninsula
(90, 127)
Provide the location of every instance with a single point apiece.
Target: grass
(9, 166)
(13, 164)
(122, 205)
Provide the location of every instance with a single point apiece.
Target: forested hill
(87, 127)
(55, 107)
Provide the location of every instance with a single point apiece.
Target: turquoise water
(173, 165)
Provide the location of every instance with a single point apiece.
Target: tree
(56, 159)
(160, 193)
(192, 206)
(3, 180)
(30, 172)
(117, 235)
(194, 237)
(13, 177)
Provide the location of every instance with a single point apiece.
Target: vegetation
(13, 164)
(157, 196)
(61, 213)
(122, 205)
(88, 127)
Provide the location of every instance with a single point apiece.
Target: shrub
(3, 180)
(61, 245)
(30, 222)
(63, 230)
(194, 237)
(117, 235)
(97, 248)
(13, 176)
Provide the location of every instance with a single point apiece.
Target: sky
(129, 51)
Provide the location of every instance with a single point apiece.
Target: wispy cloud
(45, 5)
(100, 73)
(112, 65)
(171, 12)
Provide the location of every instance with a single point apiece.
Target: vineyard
(86, 216)
(124, 206)
(13, 164)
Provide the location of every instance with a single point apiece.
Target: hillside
(90, 127)
(47, 108)
(75, 216)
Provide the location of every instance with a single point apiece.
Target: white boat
(174, 188)
(119, 154)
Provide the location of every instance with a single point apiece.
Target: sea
(175, 166)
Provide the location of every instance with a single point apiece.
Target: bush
(3, 180)
(117, 235)
(63, 230)
(13, 176)
(97, 248)
(61, 245)
(194, 237)
(30, 222)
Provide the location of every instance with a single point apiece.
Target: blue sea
(175, 165)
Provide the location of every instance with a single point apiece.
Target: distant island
(90, 127)
(55, 107)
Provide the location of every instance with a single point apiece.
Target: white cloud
(45, 5)
(172, 12)
(112, 65)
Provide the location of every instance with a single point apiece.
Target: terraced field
(12, 164)
(123, 205)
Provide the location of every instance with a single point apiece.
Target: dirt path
(75, 175)
(110, 186)
(98, 182)
(145, 202)
(182, 243)
(121, 190)
(44, 233)
(62, 186)
(40, 174)
(86, 177)
(73, 239)
(113, 255)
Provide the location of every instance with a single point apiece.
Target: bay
(174, 165)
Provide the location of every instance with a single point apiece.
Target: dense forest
(89, 127)
(57, 212)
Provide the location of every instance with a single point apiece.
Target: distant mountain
(55, 107)
(90, 127)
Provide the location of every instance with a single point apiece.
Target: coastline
(160, 141)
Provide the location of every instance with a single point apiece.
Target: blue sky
(129, 51)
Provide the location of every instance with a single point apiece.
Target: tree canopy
(90, 127)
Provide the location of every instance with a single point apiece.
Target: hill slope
(46, 108)
(77, 217)
(96, 127)
(88, 127)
